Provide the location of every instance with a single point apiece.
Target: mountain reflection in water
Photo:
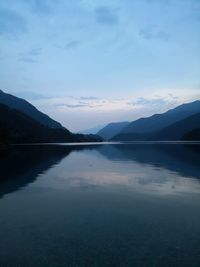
(100, 205)
(137, 163)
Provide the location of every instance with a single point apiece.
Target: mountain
(192, 135)
(130, 137)
(141, 128)
(173, 132)
(17, 127)
(24, 106)
(21, 122)
(159, 121)
(112, 129)
(93, 130)
(177, 130)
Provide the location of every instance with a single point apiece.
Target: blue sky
(89, 62)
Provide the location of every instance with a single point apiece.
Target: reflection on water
(100, 205)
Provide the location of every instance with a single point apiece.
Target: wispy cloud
(106, 105)
(44, 7)
(30, 56)
(35, 51)
(89, 98)
(85, 103)
(106, 16)
(79, 105)
(151, 33)
(73, 106)
(11, 23)
(72, 44)
(155, 102)
(28, 60)
(163, 2)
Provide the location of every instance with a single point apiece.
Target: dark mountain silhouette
(173, 132)
(20, 128)
(112, 129)
(156, 126)
(28, 109)
(159, 121)
(17, 127)
(177, 130)
(192, 135)
(131, 137)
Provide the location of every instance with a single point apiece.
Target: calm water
(100, 205)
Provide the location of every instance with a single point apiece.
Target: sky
(90, 62)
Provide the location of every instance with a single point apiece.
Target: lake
(99, 205)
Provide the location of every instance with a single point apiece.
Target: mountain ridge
(173, 132)
(112, 129)
(16, 126)
(27, 108)
(158, 121)
(145, 128)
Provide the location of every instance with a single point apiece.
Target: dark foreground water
(100, 205)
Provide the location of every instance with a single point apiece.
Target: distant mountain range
(171, 125)
(112, 129)
(93, 130)
(21, 122)
(159, 121)
(175, 131)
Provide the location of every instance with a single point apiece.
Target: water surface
(100, 205)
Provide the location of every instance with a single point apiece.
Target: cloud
(72, 45)
(28, 60)
(30, 56)
(163, 2)
(155, 101)
(42, 6)
(35, 52)
(11, 23)
(89, 98)
(106, 105)
(85, 98)
(85, 104)
(106, 16)
(71, 105)
(80, 104)
(150, 34)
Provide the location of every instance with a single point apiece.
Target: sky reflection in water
(100, 205)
